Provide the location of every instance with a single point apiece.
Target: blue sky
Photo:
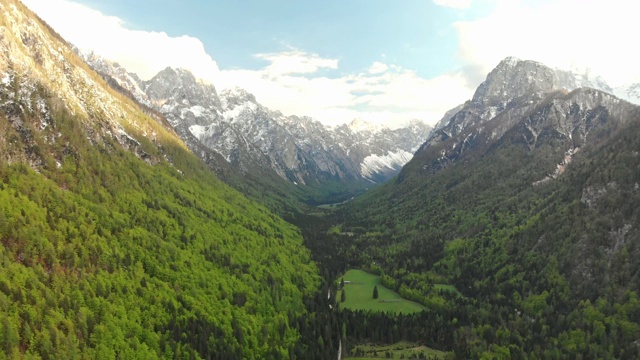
(356, 32)
(336, 60)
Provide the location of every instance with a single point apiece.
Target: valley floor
(358, 290)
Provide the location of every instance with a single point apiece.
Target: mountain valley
(525, 199)
(162, 218)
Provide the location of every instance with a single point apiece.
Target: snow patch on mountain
(196, 110)
(237, 110)
(376, 164)
(198, 131)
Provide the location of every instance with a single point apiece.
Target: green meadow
(359, 295)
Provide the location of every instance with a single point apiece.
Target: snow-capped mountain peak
(362, 126)
(562, 102)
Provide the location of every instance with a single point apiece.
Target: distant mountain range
(249, 136)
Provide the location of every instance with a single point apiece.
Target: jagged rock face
(575, 115)
(318, 146)
(34, 61)
(513, 79)
(447, 117)
(301, 149)
(30, 54)
(181, 98)
(381, 152)
(513, 86)
(529, 103)
(128, 81)
(250, 136)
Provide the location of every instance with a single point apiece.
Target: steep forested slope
(537, 227)
(115, 241)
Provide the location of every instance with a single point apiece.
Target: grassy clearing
(400, 350)
(359, 295)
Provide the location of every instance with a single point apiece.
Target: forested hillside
(542, 241)
(116, 242)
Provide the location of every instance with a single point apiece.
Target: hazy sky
(336, 60)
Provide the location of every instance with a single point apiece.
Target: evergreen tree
(375, 291)
(342, 283)
(343, 296)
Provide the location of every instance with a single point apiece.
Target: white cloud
(456, 4)
(571, 33)
(378, 68)
(296, 62)
(142, 52)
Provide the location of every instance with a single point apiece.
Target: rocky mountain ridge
(540, 103)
